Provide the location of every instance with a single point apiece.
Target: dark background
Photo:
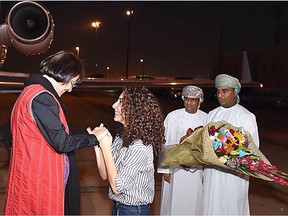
(174, 38)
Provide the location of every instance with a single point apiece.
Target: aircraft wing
(110, 83)
(14, 82)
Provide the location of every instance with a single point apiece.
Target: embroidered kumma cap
(193, 92)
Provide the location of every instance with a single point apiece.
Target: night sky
(173, 38)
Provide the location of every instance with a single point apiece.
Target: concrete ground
(266, 198)
(94, 190)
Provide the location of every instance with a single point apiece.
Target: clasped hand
(103, 135)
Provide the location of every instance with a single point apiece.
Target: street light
(96, 24)
(96, 65)
(129, 14)
(77, 51)
(142, 62)
(108, 70)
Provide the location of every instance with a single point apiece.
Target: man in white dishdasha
(182, 188)
(226, 192)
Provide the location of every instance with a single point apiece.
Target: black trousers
(72, 192)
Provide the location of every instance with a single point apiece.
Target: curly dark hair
(143, 118)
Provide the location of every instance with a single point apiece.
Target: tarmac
(94, 190)
(266, 198)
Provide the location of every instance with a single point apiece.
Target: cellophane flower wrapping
(223, 145)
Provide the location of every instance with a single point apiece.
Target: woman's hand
(106, 142)
(99, 156)
(104, 156)
(103, 135)
(100, 132)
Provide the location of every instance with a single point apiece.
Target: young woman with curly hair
(128, 161)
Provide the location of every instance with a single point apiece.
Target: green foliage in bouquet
(223, 145)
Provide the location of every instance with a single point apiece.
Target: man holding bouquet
(182, 188)
(226, 192)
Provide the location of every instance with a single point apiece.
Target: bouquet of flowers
(223, 145)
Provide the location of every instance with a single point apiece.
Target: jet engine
(28, 27)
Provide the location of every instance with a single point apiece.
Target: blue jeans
(122, 209)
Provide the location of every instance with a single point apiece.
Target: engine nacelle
(29, 28)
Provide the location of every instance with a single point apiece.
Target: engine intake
(29, 28)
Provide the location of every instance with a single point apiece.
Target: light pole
(108, 71)
(77, 51)
(129, 14)
(142, 62)
(96, 24)
(96, 66)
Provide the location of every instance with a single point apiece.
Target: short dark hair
(62, 66)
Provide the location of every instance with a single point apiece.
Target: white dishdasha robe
(226, 193)
(183, 196)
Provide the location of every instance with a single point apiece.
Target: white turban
(193, 92)
(228, 81)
